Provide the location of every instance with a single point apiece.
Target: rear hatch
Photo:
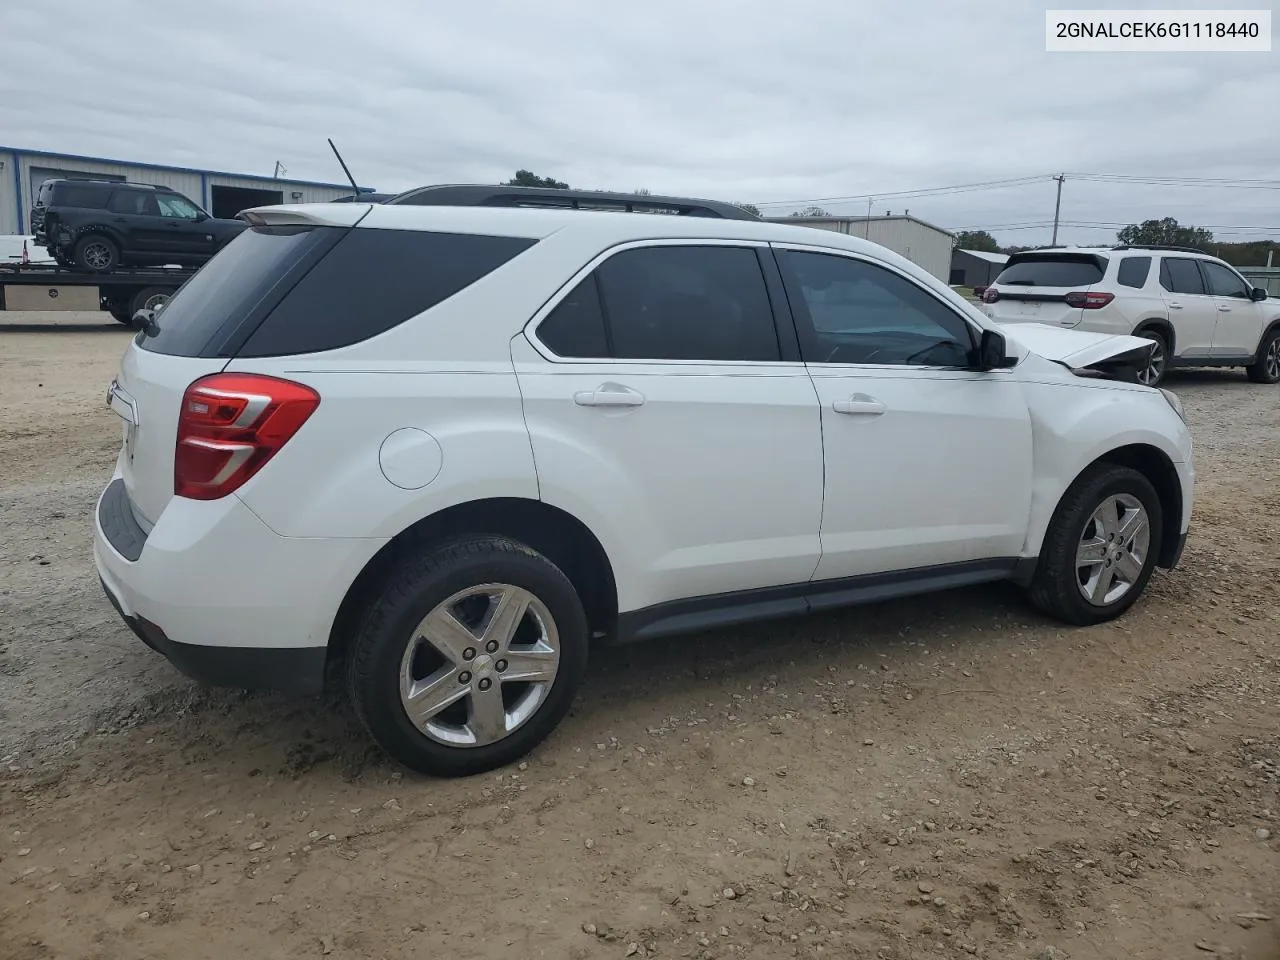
(38, 211)
(1044, 287)
(195, 335)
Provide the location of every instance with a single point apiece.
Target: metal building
(220, 194)
(976, 268)
(922, 243)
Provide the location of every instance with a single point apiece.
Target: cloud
(744, 100)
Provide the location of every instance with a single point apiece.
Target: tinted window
(688, 303)
(1133, 271)
(862, 313)
(373, 280)
(93, 198)
(138, 203)
(1180, 275)
(228, 289)
(1054, 271)
(1224, 282)
(575, 328)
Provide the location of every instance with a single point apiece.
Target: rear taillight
(231, 424)
(990, 295)
(1089, 301)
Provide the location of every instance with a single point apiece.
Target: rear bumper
(297, 670)
(227, 600)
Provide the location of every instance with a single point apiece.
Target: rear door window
(137, 203)
(1181, 275)
(688, 302)
(1051, 271)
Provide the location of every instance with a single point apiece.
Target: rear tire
(122, 316)
(434, 641)
(1100, 548)
(96, 253)
(149, 298)
(1153, 373)
(1266, 369)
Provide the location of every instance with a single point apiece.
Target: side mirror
(991, 353)
(1258, 293)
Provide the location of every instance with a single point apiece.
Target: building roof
(987, 255)
(20, 151)
(805, 221)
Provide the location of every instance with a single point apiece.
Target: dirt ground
(947, 776)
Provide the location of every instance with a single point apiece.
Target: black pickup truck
(100, 225)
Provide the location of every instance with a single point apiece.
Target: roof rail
(478, 195)
(1157, 246)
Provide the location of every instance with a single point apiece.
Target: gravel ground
(946, 776)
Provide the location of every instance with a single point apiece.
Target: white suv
(1197, 309)
(447, 449)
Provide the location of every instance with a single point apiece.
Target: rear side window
(1133, 272)
(688, 302)
(1061, 271)
(373, 280)
(1181, 275)
(90, 198)
(575, 328)
(233, 288)
(137, 203)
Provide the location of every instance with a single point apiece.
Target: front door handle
(860, 403)
(609, 395)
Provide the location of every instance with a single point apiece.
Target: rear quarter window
(1133, 272)
(373, 280)
(1080, 271)
(88, 198)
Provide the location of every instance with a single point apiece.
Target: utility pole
(866, 232)
(1057, 208)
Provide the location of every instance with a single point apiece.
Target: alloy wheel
(1271, 360)
(479, 665)
(97, 256)
(1153, 369)
(1112, 550)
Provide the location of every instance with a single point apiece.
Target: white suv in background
(446, 449)
(1197, 309)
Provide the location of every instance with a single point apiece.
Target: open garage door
(226, 202)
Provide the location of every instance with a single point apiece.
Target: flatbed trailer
(121, 293)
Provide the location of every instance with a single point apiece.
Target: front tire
(1266, 369)
(1100, 548)
(469, 657)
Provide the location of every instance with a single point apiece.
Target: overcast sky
(748, 100)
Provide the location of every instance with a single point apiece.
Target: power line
(902, 194)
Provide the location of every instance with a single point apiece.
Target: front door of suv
(1240, 318)
(667, 414)
(928, 463)
(183, 227)
(1192, 312)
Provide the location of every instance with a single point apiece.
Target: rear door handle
(1224, 308)
(1175, 306)
(860, 403)
(609, 395)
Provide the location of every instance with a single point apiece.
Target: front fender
(1069, 433)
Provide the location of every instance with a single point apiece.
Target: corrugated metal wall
(920, 243)
(17, 190)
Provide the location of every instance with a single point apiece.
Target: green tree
(751, 208)
(813, 211)
(1166, 233)
(976, 240)
(527, 178)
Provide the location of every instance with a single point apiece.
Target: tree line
(1165, 232)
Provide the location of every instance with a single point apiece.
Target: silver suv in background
(1199, 310)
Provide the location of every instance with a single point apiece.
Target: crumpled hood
(1076, 348)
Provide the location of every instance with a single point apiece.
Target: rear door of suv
(1034, 287)
(1192, 311)
(669, 409)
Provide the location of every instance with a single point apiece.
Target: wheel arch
(559, 536)
(1154, 464)
(1164, 326)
